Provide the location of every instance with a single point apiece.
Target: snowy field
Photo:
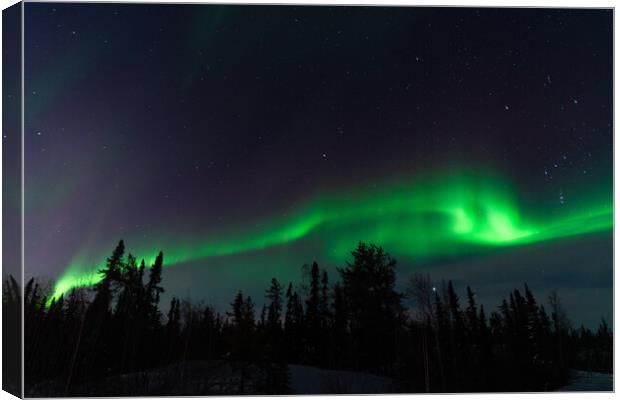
(212, 378)
(585, 381)
(311, 380)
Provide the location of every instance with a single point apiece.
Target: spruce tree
(274, 311)
(472, 313)
(373, 306)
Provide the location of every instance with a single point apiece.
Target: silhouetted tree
(373, 306)
(274, 311)
(100, 338)
(115, 328)
(457, 338)
(340, 326)
(312, 318)
(293, 324)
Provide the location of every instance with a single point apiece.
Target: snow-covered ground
(311, 380)
(219, 377)
(586, 381)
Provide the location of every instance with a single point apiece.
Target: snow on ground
(586, 381)
(311, 380)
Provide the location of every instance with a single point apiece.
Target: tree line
(356, 322)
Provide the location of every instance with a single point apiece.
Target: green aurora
(416, 218)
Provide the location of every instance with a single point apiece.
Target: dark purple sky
(150, 122)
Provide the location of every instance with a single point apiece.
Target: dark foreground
(213, 378)
(114, 340)
(588, 381)
(221, 378)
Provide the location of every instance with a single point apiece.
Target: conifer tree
(472, 313)
(340, 326)
(373, 306)
(154, 289)
(274, 311)
(312, 303)
(100, 337)
(324, 316)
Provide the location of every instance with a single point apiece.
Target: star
(324, 155)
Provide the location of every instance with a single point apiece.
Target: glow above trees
(416, 218)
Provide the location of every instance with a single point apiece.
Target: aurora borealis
(244, 142)
(415, 219)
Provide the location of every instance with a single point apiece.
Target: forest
(113, 339)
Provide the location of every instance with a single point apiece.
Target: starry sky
(246, 141)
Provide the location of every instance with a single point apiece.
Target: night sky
(246, 141)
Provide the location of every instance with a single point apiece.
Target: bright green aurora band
(450, 214)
